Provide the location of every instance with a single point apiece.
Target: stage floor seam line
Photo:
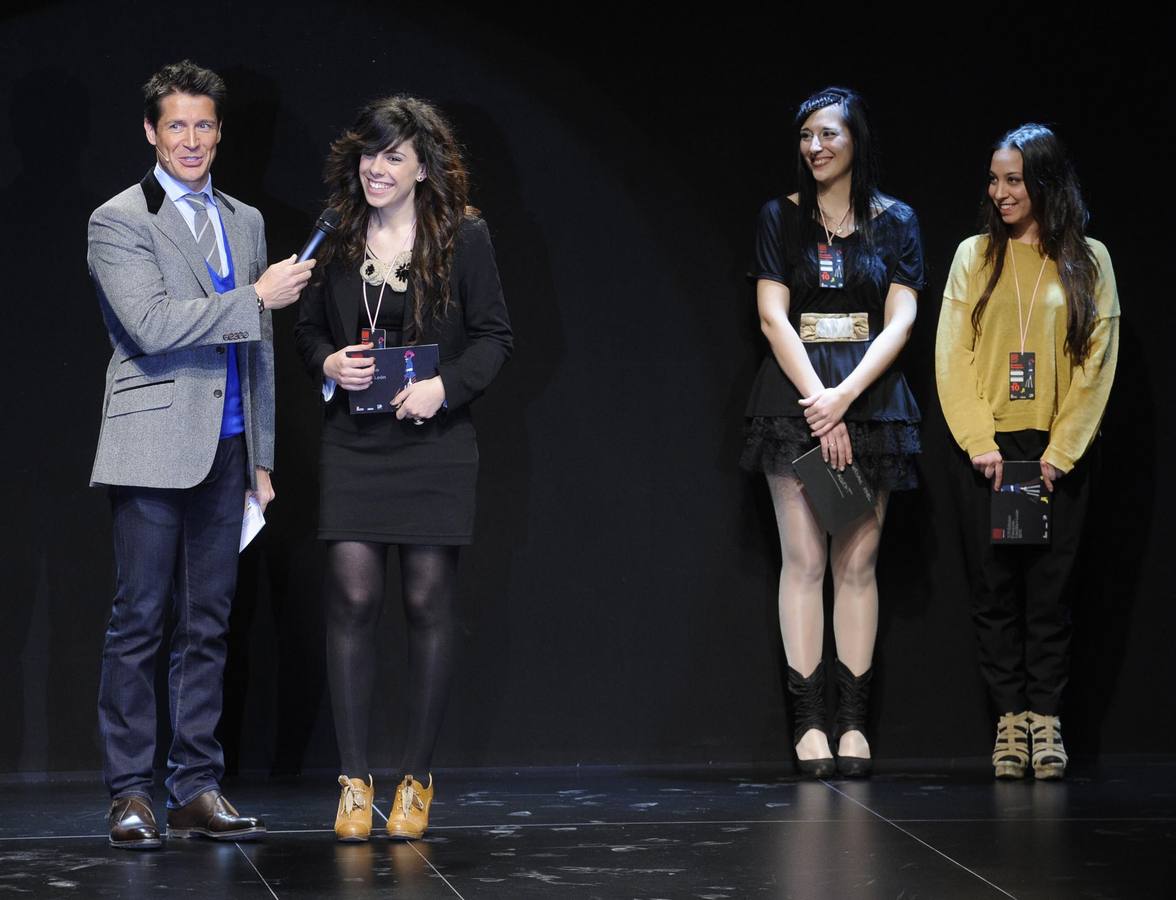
(429, 863)
(380, 813)
(1157, 820)
(253, 866)
(917, 839)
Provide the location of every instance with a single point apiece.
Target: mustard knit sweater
(973, 373)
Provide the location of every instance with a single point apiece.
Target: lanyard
(384, 283)
(379, 298)
(1023, 324)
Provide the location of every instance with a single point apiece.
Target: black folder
(837, 498)
(391, 365)
(1021, 508)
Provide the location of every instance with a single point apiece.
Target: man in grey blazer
(187, 434)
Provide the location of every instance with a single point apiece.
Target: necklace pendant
(399, 270)
(371, 270)
(394, 274)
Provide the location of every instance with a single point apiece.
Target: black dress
(882, 422)
(389, 480)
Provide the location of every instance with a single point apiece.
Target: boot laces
(353, 797)
(853, 700)
(409, 797)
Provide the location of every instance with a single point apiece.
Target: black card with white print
(1022, 376)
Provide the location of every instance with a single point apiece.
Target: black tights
(355, 597)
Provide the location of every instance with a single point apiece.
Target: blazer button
(216, 393)
(220, 348)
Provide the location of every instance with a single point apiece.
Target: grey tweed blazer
(161, 414)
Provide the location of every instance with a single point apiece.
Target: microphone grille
(330, 219)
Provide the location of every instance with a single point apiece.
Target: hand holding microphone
(282, 283)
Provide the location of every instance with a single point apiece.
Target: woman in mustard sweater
(1024, 360)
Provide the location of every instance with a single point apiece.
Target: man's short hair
(184, 77)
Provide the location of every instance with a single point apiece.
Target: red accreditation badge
(830, 266)
(1022, 380)
(377, 337)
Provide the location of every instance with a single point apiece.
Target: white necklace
(393, 273)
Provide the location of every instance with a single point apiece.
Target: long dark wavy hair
(864, 196)
(1061, 216)
(440, 199)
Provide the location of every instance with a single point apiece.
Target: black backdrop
(619, 604)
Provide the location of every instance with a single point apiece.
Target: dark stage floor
(1105, 832)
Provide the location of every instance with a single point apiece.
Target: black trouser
(1020, 603)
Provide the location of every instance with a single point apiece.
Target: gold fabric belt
(819, 328)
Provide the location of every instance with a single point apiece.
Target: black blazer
(475, 339)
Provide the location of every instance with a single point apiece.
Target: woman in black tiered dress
(838, 270)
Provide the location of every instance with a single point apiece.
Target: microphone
(326, 225)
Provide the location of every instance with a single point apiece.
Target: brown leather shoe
(212, 816)
(409, 816)
(353, 821)
(132, 824)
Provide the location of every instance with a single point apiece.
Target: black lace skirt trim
(885, 451)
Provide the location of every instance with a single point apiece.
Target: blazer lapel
(407, 326)
(347, 301)
(239, 240)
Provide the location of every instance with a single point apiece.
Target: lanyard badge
(830, 266)
(377, 337)
(372, 267)
(830, 258)
(1022, 365)
(1021, 375)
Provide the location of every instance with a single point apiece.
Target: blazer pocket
(141, 397)
(141, 367)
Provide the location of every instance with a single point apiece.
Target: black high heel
(852, 705)
(808, 711)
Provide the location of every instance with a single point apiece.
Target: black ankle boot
(808, 711)
(852, 705)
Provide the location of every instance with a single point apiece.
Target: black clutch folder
(396, 367)
(1021, 508)
(837, 498)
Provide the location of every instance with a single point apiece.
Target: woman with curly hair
(838, 269)
(410, 264)
(1024, 360)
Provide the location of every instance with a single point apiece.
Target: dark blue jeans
(174, 549)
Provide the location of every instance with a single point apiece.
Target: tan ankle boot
(409, 816)
(353, 821)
